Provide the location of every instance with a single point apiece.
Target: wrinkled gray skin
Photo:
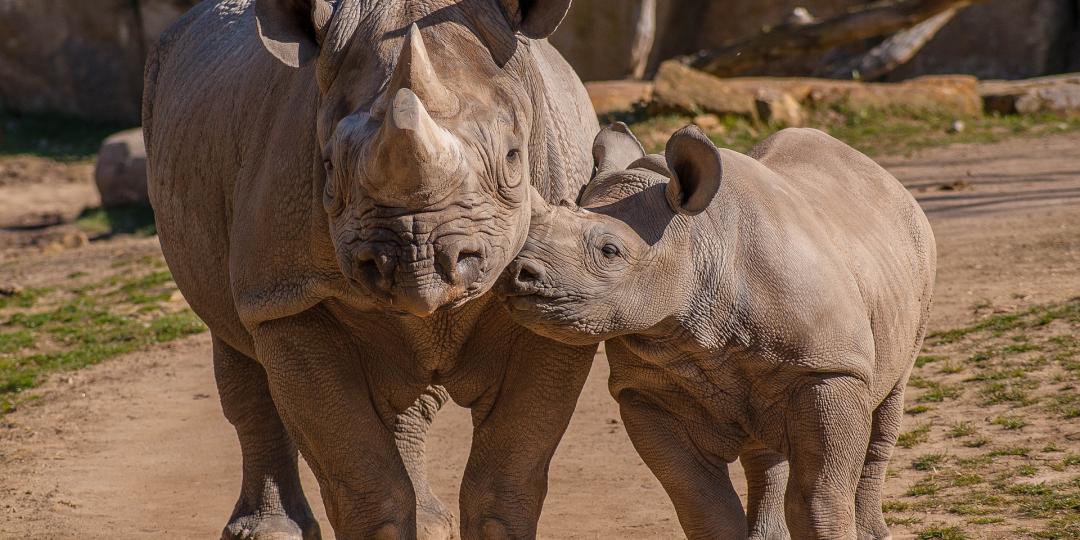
(337, 187)
(766, 306)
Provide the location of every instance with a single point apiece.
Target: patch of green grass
(25, 298)
(1021, 451)
(902, 520)
(894, 506)
(998, 392)
(986, 520)
(961, 429)
(951, 367)
(1010, 422)
(971, 479)
(928, 462)
(52, 136)
(130, 219)
(1027, 470)
(917, 436)
(924, 487)
(977, 442)
(941, 532)
(890, 130)
(917, 410)
(11, 342)
(936, 391)
(83, 330)
(923, 360)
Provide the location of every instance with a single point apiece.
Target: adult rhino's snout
(420, 279)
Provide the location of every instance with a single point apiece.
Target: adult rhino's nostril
(461, 263)
(376, 267)
(529, 274)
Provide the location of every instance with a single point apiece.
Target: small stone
(957, 126)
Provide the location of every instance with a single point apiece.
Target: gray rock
(1057, 94)
(120, 173)
(81, 59)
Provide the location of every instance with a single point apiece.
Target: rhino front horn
(417, 160)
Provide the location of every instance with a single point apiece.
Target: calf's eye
(610, 251)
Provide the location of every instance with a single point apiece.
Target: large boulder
(1058, 94)
(618, 96)
(684, 89)
(120, 173)
(79, 58)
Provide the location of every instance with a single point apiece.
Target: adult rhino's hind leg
(271, 503)
(433, 520)
(883, 435)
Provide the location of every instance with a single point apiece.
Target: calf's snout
(525, 276)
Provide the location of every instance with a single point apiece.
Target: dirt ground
(137, 447)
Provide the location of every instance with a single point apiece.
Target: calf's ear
(696, 171)
(615, 148)
(292, 30)
(536, 19)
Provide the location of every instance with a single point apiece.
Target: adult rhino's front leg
(517, 426)
(271, 503)
(317, 379)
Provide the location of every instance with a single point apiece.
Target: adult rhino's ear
(696, 171)
(536, 19)
(293, 30)
(615, 148)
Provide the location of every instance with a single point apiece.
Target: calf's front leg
(699, 487)
(318, 383)
(517, 427)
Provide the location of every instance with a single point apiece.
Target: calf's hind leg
(883, 435)
(271, 503)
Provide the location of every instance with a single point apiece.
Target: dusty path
(137, 447)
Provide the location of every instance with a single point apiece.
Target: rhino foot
(269, 528)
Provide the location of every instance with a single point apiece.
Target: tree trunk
(644, 36)
(892, 53)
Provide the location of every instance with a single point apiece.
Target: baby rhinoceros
(769, 306)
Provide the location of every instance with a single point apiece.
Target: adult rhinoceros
(337, 186)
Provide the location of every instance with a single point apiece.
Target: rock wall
(1000, 39)
(81, 58)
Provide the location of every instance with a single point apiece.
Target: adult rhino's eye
(610, 251)
(513, 156)
(328, 165)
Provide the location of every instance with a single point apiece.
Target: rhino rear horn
(292, 30)
(415, 72)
